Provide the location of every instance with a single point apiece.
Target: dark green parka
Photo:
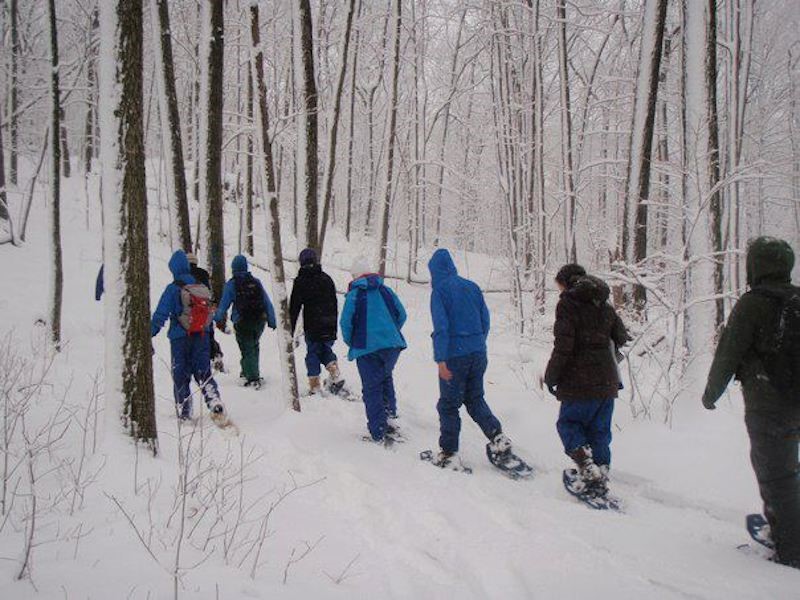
(749, 335)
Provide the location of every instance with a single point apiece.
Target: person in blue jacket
(460, 328)
(371, 321)
(191, 352)
(99, 288)
(252, 309)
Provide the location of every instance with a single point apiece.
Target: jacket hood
(769, 259)
(441, 266)
(368, 282)
(589, 289)
(239, 264)
(179, 264)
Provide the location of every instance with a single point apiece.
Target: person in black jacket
(201, 276)
(583, 372)
(315, 293)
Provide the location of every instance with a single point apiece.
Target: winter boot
(215, 407)
(445, 459)
(500, 445)
(184, 409)
(590, 473)
(333, 370)
(254, 383)
(314, 386)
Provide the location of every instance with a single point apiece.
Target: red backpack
(198, 307)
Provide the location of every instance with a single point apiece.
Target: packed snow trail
(383, 523)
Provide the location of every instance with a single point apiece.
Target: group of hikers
(761, 335)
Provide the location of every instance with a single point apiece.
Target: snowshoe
(218, 365)
(338, 388)
(393, 432)
(255, 384)
(594, 495)
(500, 454)
(451, 462)
(219, 416)
(759, 530)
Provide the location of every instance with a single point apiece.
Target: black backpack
(249, 300)
(782, 363)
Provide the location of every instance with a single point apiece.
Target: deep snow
(406, 529)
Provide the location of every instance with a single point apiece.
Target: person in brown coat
(583, 373)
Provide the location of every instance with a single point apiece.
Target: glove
(551, 389)
(221, 326)
(708, 403)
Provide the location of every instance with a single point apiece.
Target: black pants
(774, 440)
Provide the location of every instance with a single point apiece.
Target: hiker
(460, 328)
(99, 287)
(371, 321)
(187, 305)
(201, 276)
(760, 346)
(252, 309)
(315, 293)
(583, 374)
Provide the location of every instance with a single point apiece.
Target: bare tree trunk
(640, 161)
(4, 214)
(349, 193)
(387, 198)
(91, 95)
(274, 225)
(56, 269)
(14, 103)
(310, 102)
(337, 105)
(171, 126)
(215, 239)
(66, 165)
(248, 183)
(566, 135)
(129, 366)
(715, 204)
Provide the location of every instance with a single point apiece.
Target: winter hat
(360, 267)
(567, 274)
(192, 258)
(308, 257)
(239, 264)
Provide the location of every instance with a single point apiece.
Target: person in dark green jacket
(772, 417)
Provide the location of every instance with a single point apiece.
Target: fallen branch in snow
(293, 561)
(345, 572)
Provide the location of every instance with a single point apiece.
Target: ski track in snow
(417, 531)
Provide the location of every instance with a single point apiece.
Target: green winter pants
(248, 334)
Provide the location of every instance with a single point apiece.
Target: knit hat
(308, 257)
(360, 267)
(192, 258)
(567, 274)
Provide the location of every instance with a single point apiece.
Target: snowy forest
(647, 140)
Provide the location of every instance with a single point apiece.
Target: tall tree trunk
(566, 135)
(715, 204)
(310, 110)
(56, 269)
(66, 165)
(91, 95)
(392, 130)
(129, 365)
(14, 103)
(171, 126)
(4, 214)
(337, 105)
(275, 249)
(351, 137)
(215, 239)
(248, 183)
(640, 161)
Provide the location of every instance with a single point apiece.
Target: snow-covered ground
(380, 523)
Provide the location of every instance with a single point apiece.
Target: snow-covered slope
(380, 523)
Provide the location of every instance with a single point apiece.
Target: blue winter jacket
(371, 318)
(459, 312)
(170, 305)
(240, 270)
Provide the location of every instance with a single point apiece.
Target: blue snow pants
(191, 357)
(466, 387)
(377, 388)
(587, 422)
(318, 354)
